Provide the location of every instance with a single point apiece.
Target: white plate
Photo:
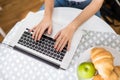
(85, 56)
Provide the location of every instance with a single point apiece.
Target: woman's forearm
(89, 11)
(49, 5)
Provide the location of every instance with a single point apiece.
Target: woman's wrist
(47, 16)
(73, 26)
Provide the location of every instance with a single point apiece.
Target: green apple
(86, 70)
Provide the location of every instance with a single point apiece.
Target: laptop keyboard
(44, 46)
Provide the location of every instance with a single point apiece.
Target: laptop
(43, 49)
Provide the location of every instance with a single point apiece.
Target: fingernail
(60, 50)
(38, 39)
(68, 49)
(49, 33)
(32, 37)
(57, 50)
(55, 47)
(35, 39)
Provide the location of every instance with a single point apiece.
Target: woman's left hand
(63, 38)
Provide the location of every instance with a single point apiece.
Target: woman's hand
(44, 25)
(64, 38)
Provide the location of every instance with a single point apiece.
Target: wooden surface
(15, 10)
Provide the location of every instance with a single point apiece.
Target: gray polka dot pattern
(17, 66)
(92, 38)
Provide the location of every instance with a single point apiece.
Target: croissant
(103, 62)
(117, 71)
(113, 76)
(97, 77)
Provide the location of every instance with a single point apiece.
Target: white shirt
(77, 0)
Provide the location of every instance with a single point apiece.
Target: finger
(69, 45)
(57, 42)
(31, 30)
(34, 32)
(50, 30)
(57, 35)
(33, 35)
(41, 33)
(37, 34)
(64, 42)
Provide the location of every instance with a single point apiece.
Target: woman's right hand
(44, 25)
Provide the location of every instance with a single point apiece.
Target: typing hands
(44, 25)
(63, 37)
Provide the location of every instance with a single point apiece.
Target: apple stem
(86, 69)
